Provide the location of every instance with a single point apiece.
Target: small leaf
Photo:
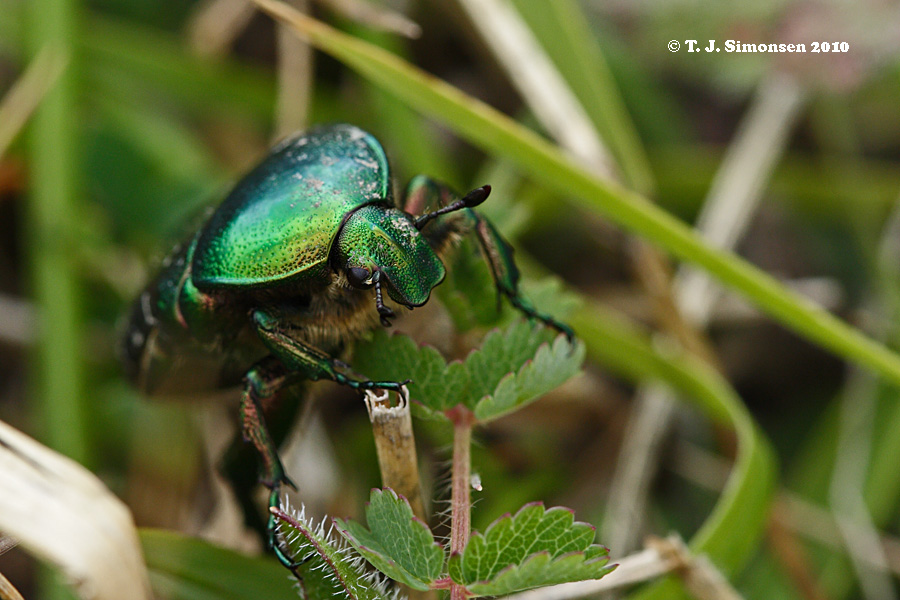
(533, 548)
(499, 368)
(398, 544)
(325, 567)
(398, 358)
(551, 367)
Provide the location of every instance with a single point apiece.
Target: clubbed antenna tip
(470, 200)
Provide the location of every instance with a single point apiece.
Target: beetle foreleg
(307, 360)
(499, 256)
(384, 312)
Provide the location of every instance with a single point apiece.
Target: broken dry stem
(396, 447)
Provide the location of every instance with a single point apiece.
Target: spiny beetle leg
(365, 384)
(303, 359)
(499, 256)
(261, 385)
(526, 308)
(306, 360)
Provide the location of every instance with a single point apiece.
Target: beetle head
(380, 246)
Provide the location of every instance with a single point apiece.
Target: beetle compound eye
(359, 277)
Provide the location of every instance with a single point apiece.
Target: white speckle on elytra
(370, 164)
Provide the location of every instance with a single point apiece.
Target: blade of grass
(563, 30)
(64, 514)
(540, 84)
(116, 52)
(25, 95)
(846, 492)
(798, 182)
(295, 79)
(215, 24)
(57, 376)
(730, 533)
(727, 212)
(498, 134)
(823, 468)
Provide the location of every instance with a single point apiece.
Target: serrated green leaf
(551, 367)
(326, 570)
(533, 548)
(494, 369)
(398, 544)
(501, 353)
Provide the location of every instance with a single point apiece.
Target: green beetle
(285, 271)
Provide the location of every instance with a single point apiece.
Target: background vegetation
(771, 443)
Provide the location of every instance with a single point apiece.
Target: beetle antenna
(383, 311)
(470, 200)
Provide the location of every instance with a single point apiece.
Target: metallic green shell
(279, 222)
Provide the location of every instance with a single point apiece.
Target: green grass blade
(564, 32)
(58, 372)
(184, 568)
(498, 134)
(730, 534)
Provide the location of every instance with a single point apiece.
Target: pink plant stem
(460, 515)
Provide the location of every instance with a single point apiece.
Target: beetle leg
(308, 360)
(430, 198)
(384, 312)
(261, 386)
(499, 255)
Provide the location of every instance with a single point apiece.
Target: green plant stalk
(57, 373)
(497, 134)
(57, 376)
